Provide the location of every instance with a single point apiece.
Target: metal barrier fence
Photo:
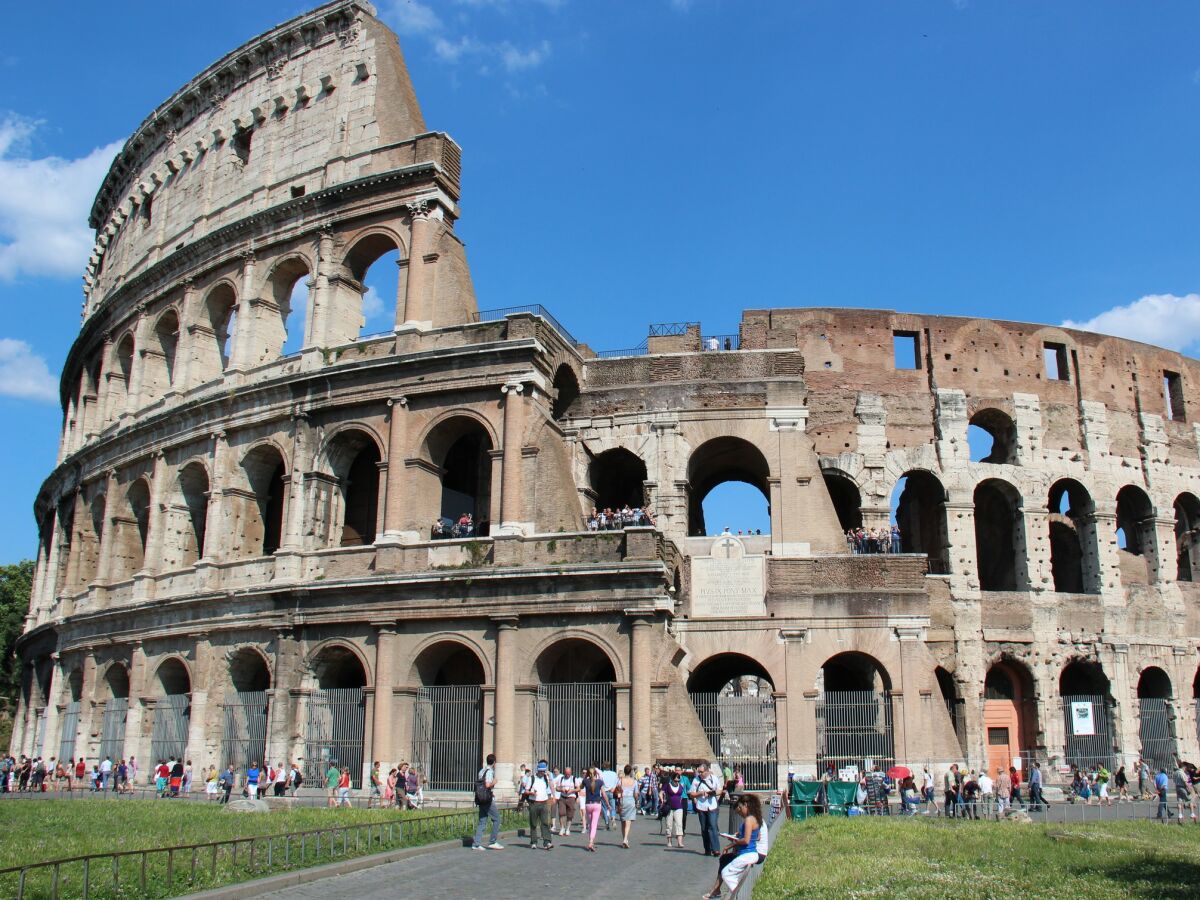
(169, 734)
(112, 728)
(495, 315)
(711, 342)
(448, 735)
(337, 720)
(1089, 733)
(70, 729)
(854, 727)
(741, 730)
(171, 871)
(1156, 730)
(575, 724)
(244, 736)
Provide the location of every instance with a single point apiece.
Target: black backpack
(483, 794)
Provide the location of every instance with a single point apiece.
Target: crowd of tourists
(559, 800)
(609, 519)
(873, 540)
(445, 528)
(38, 775)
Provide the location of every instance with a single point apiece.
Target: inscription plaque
(728, 584)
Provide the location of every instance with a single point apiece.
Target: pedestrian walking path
(647, 868)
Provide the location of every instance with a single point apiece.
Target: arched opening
(734, 700)
(190, 512)
(261, 513)
(854, 715)
(1187, 537)
(69, 722)
(245, 710)
(575, 711)
(348, 504)
(172, 711)
(1135, 520)
(378, 266)
(1084, 689)
(992, 437)
(718, 462)
(214, 358)
(919, 505)
(116, 711)
(1156, 719)
(291, 287)
(121, 384)
(337, 714)
(131, 532)
(1073, 558)
(460, 449)
(953, 705)
(999, 537)
(566, 392)
(847, 500)
(618, 479)
(448, 716)
(1009, 715)
(166, 339)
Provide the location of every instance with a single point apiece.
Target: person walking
(1121, 782)
(742, 852)
(950, 787)
(1036, 800)
(485, 802)
(1160, 788)
(539, 798)
(106, 768)
(343, 787)
(1143, 777)
(568, 799)
(673, 800)
(332, 776)
(252, 776)
(625, 795)
(593, 800)
(226, 784)
(1003, 790)
(608, 775)
(1183, 792)
(706, 793)
(376, 792)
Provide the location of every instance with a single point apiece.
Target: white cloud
(412, 17)
(24, 374)
(373, 307)
(44, 204)
(453, 51)
(515, 60)
(1165, 320)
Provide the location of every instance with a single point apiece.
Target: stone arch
(574, 659)
(448, 660)
(74, 685)
(189, 512)
(999, 426)
(213, 350)
(1083, 676)
(1010, 715)
(368, 246)
(720, 460)
(337, 664)
(854, 713)
(846, 497)
(93, 529)
(1157, 718)
(999, 536)
(116, 681)
(1074, 553)
(172, 677)
(120, 377)
(448, 713)
(1154, 683)
(290, 286)
(459, 446)
(1135, 520)
(348, 506)
(1187, 536)
(919, 501)
(131, 530)
(575, 708)
(953, 703)
(618, 478)
(853, 670)
(566, 392)
(376, 259)
(733, 695)
(730, 672)
(261, 511)
(160, 358)
(249, 670)
(338, 675)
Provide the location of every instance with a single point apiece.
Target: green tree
(16, 582)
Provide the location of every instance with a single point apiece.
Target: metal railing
(672, 329)
(171, 871)
(640, 350)
(714, 342)
(496, 315)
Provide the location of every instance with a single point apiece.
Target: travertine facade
(236, 544)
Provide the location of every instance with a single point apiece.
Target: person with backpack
(541, 799)
(485, 802)
(296, 779)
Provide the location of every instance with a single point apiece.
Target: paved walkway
(647, 868)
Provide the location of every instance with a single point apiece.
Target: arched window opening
(248, 671)
(998, 685)
(193, 505)
(245, 710)
(919, 512)
(375, 264)
(718, 462)
(854, 714)
(618, 479)
(1135, 521)
(173, 678)
(1187, 537)
(448, 716)
(1154, 684)
(574, 660)
(291, 285)
(992, 437)
(166, 336)
(120, 385)
(360, 496)
(1073, 556)
(999, 537)
(132, 530)
(117, 681)
(336, 716)
(1009, 716)
(262, 531)
(172, 711)
(575, 709)
(89, 560)
(75, 685)
(222, 321)
(734, 701)
(847, 500)
(953, 704)
(566, 392)
(460, 449)
(1156, 718)
(70, 716)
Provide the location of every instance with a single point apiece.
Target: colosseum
(250, 545)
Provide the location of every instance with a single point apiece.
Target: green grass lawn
(840, 857)
(41, 830)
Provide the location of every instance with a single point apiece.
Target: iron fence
(672, 329)
(1089, 733)
(503, 312)
(448, 736)
(169, 733)
(336, 725)
(112, 728)
(1156, 731)
(741, 730)
(574, 724)
(244, 736)
(70, 730)
(640, 350)
(714, 342)
(171, 871)
(854, 728)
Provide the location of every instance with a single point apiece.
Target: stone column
(289, 559)
(137, 378)
(1035, 521)
(383, 729)
(641, 673)
(71, 576)
(512, 489)
(197, 747)
(505, 728)
(52, 737)
(417, 309)
(1108, 560)
(799, 726)
(395, 495)
(134, 744)
(160, 496)
(111, 502)
(88, 724)
(321, 295)
(279, 721)
(215, 538)
(189, 312)
(1164, 557)
(48, 571)
(244, 355)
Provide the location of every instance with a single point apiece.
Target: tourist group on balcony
(873, 540)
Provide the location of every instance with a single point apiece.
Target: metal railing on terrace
(501, 313)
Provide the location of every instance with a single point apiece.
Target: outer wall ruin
(237, 555)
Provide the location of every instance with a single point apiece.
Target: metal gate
(854, 728)
(70, 729)
(741, 731)
(575, 724)
(1156, 730)
(244, 738)
(336, 723)
(1085, 749)
(448, 736)
(169, 734)
(112, 728)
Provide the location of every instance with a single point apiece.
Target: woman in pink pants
(593, 795)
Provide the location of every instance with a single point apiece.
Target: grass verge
(841, 857)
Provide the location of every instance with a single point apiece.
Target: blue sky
(668, 160)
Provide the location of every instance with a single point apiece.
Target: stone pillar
(197, 748)
(512, 489)
(135, 745)
(245, 355)
(137, 378)
(417, 310)
(800, 724)
(160, 496)
(53, 725)
(279, 722)
(111, 502)
(1035, 522)
(89, 724)
(1163, 560)
(71, 576)
(321, 296)
(50, 568)
(189, 312)
(505, 728)
(641, 673)
(395, 495)
(289, 559)
(383, 729)
(1109, 563)
(216, 541)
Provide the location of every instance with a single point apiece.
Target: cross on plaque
(727, 545)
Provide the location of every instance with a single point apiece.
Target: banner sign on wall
(1081, 718)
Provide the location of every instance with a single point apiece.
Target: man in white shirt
(568, 791)
(608, 778)
(705, 794)
(986, 790)
(106, 773)
(541, 803)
